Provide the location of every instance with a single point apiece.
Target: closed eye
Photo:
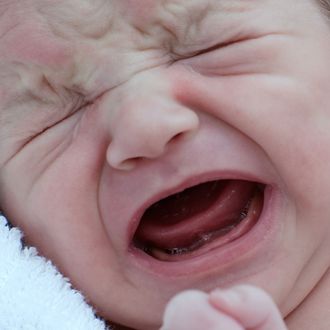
(220, 45)
(250, 55)
(214, 47)
(217, 46)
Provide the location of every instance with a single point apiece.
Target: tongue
(179, 220)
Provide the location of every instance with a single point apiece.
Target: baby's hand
(239, 308)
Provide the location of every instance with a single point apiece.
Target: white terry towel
(33, 294)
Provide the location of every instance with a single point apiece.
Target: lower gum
(177, 254)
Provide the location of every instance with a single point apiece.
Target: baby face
(108, 107)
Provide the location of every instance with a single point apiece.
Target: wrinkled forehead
(138, 12)
(95, 18)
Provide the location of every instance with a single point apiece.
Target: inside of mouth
(185, 222)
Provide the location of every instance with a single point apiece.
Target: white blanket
(33, 294)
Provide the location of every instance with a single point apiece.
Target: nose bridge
(146, 121)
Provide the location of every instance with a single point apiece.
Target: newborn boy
(148, 147)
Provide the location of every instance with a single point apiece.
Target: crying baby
(151, 148)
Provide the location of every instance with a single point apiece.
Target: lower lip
(259, 241)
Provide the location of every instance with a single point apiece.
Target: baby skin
(239, 308)
(149, 147)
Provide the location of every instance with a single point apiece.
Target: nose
(143, 129)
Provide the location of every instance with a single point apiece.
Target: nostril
(147, 138)
(180, 137)
(123, 162)
(176, 137)
(131, 163)
(128, 164)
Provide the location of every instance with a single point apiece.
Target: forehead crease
(170, 16)
(195, 10)
(91, 18)
(178, 13)
(194, 22)
(175, 12)
(182, 18)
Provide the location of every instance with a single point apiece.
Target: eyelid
(214, 47)
(209, 49)
(219, 45)
(249, 55)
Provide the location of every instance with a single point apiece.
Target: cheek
(56, 206)
(291, 125)
(63, 166)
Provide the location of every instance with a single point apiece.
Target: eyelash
(210, 49)
(214, 47)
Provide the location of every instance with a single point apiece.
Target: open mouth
(199, 219)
